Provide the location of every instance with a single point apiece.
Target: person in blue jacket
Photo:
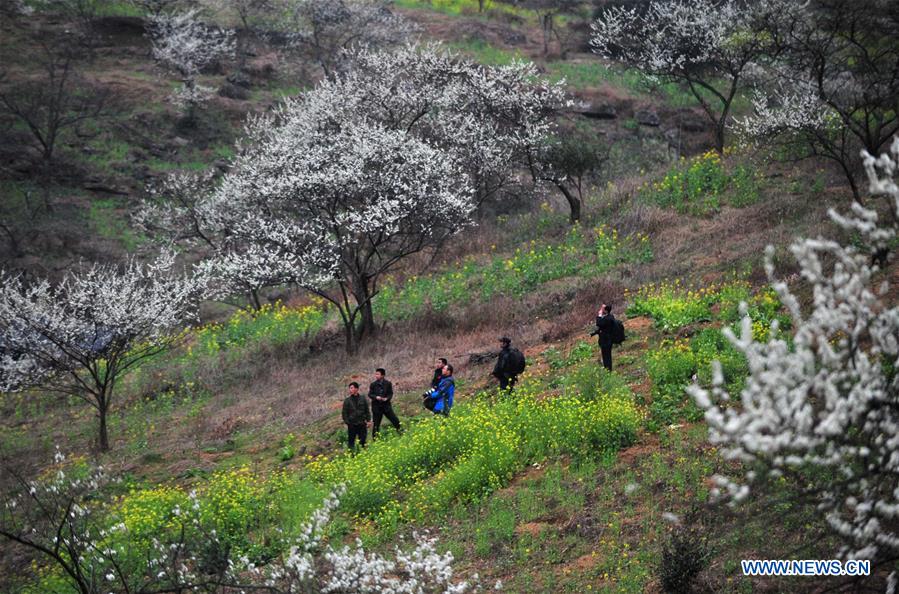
(444, 391)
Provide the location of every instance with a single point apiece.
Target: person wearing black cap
(509, 364)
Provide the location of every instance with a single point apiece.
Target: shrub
(672, 305)
(697, 186)
(234, 505)
(684, 556)
(288, 447)
(276, 323)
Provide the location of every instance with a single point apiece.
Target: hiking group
(360, 413)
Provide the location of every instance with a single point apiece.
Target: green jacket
(355, 410)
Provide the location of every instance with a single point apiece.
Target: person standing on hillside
(380, 392)
(356, 416)
(444, 392)
(509, 364)
(438, 372)
(605, 328)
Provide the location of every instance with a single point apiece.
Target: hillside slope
(262, 391)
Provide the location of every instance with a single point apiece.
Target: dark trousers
(507, 381)
(356, 431)
(380, 410)
(606, 356)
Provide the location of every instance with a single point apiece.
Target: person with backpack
(380, 392)
(610, 331)
(440, 399)
(356, 416)
(509, 364)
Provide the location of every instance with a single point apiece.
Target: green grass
(274, 323)
(597, 525)
(701, 185)
(593, 74)
(107, 223)
(486, 53)
(164, 166)
(473, 452)
(581, 253)
(468, 7)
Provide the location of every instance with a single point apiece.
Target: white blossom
(326, 29)
(385, 160)
(827, 400)
(80, 335)
(185, 45)
(709, 45)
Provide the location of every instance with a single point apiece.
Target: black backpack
(618, 336)
(516, 362)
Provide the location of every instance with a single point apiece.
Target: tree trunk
(719, 136)
(254, 298)
(349, 335)
(367, 325)
(853, 183)
(573, 203)
(102, 410)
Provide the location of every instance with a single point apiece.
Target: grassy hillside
(580, 480)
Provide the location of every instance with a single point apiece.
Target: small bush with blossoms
(166, 540)
(673, 305)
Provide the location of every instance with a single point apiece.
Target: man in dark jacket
(380, 392)
(438, 372)
(503, 370)
(605, 327)
(356, 416)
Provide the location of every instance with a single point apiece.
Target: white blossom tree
(822, 409)
(707, 45)
(323, 30)
(834, 88)
(81, 336)
(335, 206)
(183, 44)
(384, 161)
(179, 211)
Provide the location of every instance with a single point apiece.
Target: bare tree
(53, 102)
(547, 10)
(82, 15)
